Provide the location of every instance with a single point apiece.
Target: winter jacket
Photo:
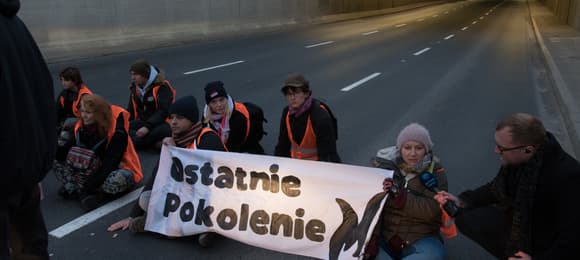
(421, 215)
(27, 138)
(555, 212)
(323, 129)
(153, 107)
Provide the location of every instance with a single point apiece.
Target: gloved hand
(387, 184)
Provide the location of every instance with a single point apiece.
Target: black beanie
(141, 67)
(186, 107)
(214, 89)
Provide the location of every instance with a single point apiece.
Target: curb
(560, 90)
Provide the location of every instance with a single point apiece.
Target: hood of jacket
(9, 8)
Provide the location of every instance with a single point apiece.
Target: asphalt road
(457, 68)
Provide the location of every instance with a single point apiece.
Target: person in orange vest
(150, 98)
(67, 102)
(307, 127)
(100, 162)
(411, 220)
(230, 119)
(186, 132)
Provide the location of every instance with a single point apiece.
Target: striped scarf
(185, 139)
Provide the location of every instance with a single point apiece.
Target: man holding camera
(529, 209)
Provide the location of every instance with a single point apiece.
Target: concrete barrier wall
(79, 28)
(567, 10)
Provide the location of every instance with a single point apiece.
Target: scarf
(219, 122)
(305, 107)
(185, 139)
(515, 188)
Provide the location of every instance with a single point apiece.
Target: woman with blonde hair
(99, 163)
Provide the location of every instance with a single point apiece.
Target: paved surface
(456, 68)
(560, 44)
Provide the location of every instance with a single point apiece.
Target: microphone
(430, 182)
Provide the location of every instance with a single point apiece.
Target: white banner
(317, 209)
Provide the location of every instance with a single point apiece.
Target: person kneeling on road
(99, 163)
(186, 132)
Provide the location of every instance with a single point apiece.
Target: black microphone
(430, 182)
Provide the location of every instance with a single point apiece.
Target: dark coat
(238, 128)
(555, 213)
(323, 129)
(148, 110)
(27, 137)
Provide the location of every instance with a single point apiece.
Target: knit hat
(141, 67)
(186, 107)
(415, 132)
(296, 80)
(213, 90)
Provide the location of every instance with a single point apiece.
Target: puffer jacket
(421, 215)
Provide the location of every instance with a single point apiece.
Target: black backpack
(256, 123)
(332, 117)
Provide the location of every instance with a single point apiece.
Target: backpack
(332, 117)
(256, 123)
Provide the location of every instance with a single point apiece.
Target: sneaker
(206, 239)
(90, 202)
(137, 224)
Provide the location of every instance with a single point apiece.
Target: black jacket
(323, 129)
(65, 111)
(27, 138)
(148, 110)
(209, 141)
(110, 153)
(238, 128)
(556, 213)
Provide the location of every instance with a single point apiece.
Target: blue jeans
(428, 248)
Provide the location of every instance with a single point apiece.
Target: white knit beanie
(415, 132)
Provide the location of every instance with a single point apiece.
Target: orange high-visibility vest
(130, 160)
(155, 91)
(75, 105)
(242, 109)
(204, 130)
(307, 148)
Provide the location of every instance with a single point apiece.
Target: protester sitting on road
(307, 127)
(99, 163)
(230, 119)
(151, 96)
(186, 132)
(67, 103)
(528, 210)
(411, 219)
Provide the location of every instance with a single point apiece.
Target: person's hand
(387, 184)
(520, 255)
(442, 197)
(168, 141)
(121, 224)
(142, 132)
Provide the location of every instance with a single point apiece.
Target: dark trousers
(155, 135)
(488, 226)
(22, 226)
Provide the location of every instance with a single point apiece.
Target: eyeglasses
(504, 149)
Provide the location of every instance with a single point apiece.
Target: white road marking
(449, 36)
(464, 28)
(436, 15)
(360, 82)
(214, 67)
(421, 51)
(318, 44)
(369, 33)
(446, 12)
(474, 22)
(481, 18)
(90, 217)
(420, 19)
(400, 25)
